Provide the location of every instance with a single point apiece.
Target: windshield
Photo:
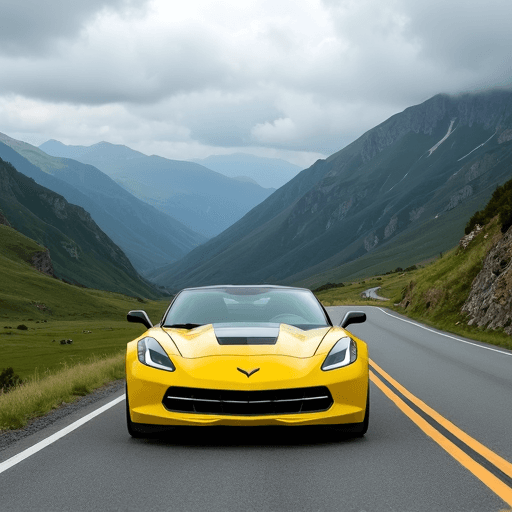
(297, 307)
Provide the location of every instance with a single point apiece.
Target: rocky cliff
(489, 303)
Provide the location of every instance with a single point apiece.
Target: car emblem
(248, 373)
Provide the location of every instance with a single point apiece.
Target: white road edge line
(445, 335)
(9, 463)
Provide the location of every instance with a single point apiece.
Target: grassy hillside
(433, 294)
(81, 252)
(427, 241)
(350, 293)
(438, 291)
(53, 310)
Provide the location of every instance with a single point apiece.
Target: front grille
(247, 403)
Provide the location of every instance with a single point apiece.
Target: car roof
(222, 286)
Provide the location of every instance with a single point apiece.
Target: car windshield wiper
(183, 326)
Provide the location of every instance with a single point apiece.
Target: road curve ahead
(439, 440)
(371, 293)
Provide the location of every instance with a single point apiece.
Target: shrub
(22, 327)
(9, 379)
(499, 204)
(328, 286)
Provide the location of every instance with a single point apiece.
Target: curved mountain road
(400, 465)
(371, 293)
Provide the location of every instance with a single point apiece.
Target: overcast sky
(294, 79)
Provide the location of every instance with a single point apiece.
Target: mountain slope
(81, 253)
(101, 155)
(204, 200)
(268, 172)
(415, 173)
(149, 237)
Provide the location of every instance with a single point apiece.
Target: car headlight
(151, 353)
(342, 354)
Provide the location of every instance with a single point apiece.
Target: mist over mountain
(204, 200)
(149, 237)
(268, 172)
(80, 251)
(404, 190)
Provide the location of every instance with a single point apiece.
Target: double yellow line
(494, 471)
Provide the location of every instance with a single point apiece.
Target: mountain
(80, 252)
(268, 172)
(401, 192)
(204, 200)
(149, 237)
(101, 155)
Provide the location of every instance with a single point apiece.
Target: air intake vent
(246, 334)
(247, 403)
(241, 340)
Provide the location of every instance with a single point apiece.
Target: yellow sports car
(246, 355)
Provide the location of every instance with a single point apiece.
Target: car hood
(247, 339)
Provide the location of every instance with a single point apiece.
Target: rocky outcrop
(371, 241)
(391, 227)
(489, 303)
(41, 261)
(460, 196)
(416, 213)
(466, 239)
(505, 136)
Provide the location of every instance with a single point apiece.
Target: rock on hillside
(489, 303)
(41, 261)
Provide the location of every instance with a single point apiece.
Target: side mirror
(139, 317)
(353, 317)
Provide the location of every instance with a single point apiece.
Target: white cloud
(301, 78)
(34, 27)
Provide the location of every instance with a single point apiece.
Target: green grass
(44, 392)
(437, 292)
(54, 310)
(350, 294)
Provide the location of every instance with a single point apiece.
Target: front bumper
(148, 386)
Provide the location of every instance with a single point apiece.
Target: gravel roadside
(9, 437)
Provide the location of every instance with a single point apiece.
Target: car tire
(360, 429)
(134, 429)
(357, 429)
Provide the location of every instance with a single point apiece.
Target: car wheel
(360, 429)
(357, 429)
(134, 429)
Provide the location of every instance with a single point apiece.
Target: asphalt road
(371, 293)
(395, 467)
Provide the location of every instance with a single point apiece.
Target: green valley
(54, 310)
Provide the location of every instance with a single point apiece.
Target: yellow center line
(485, 476)
(491, 456)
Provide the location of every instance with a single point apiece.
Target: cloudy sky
(296, 79)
